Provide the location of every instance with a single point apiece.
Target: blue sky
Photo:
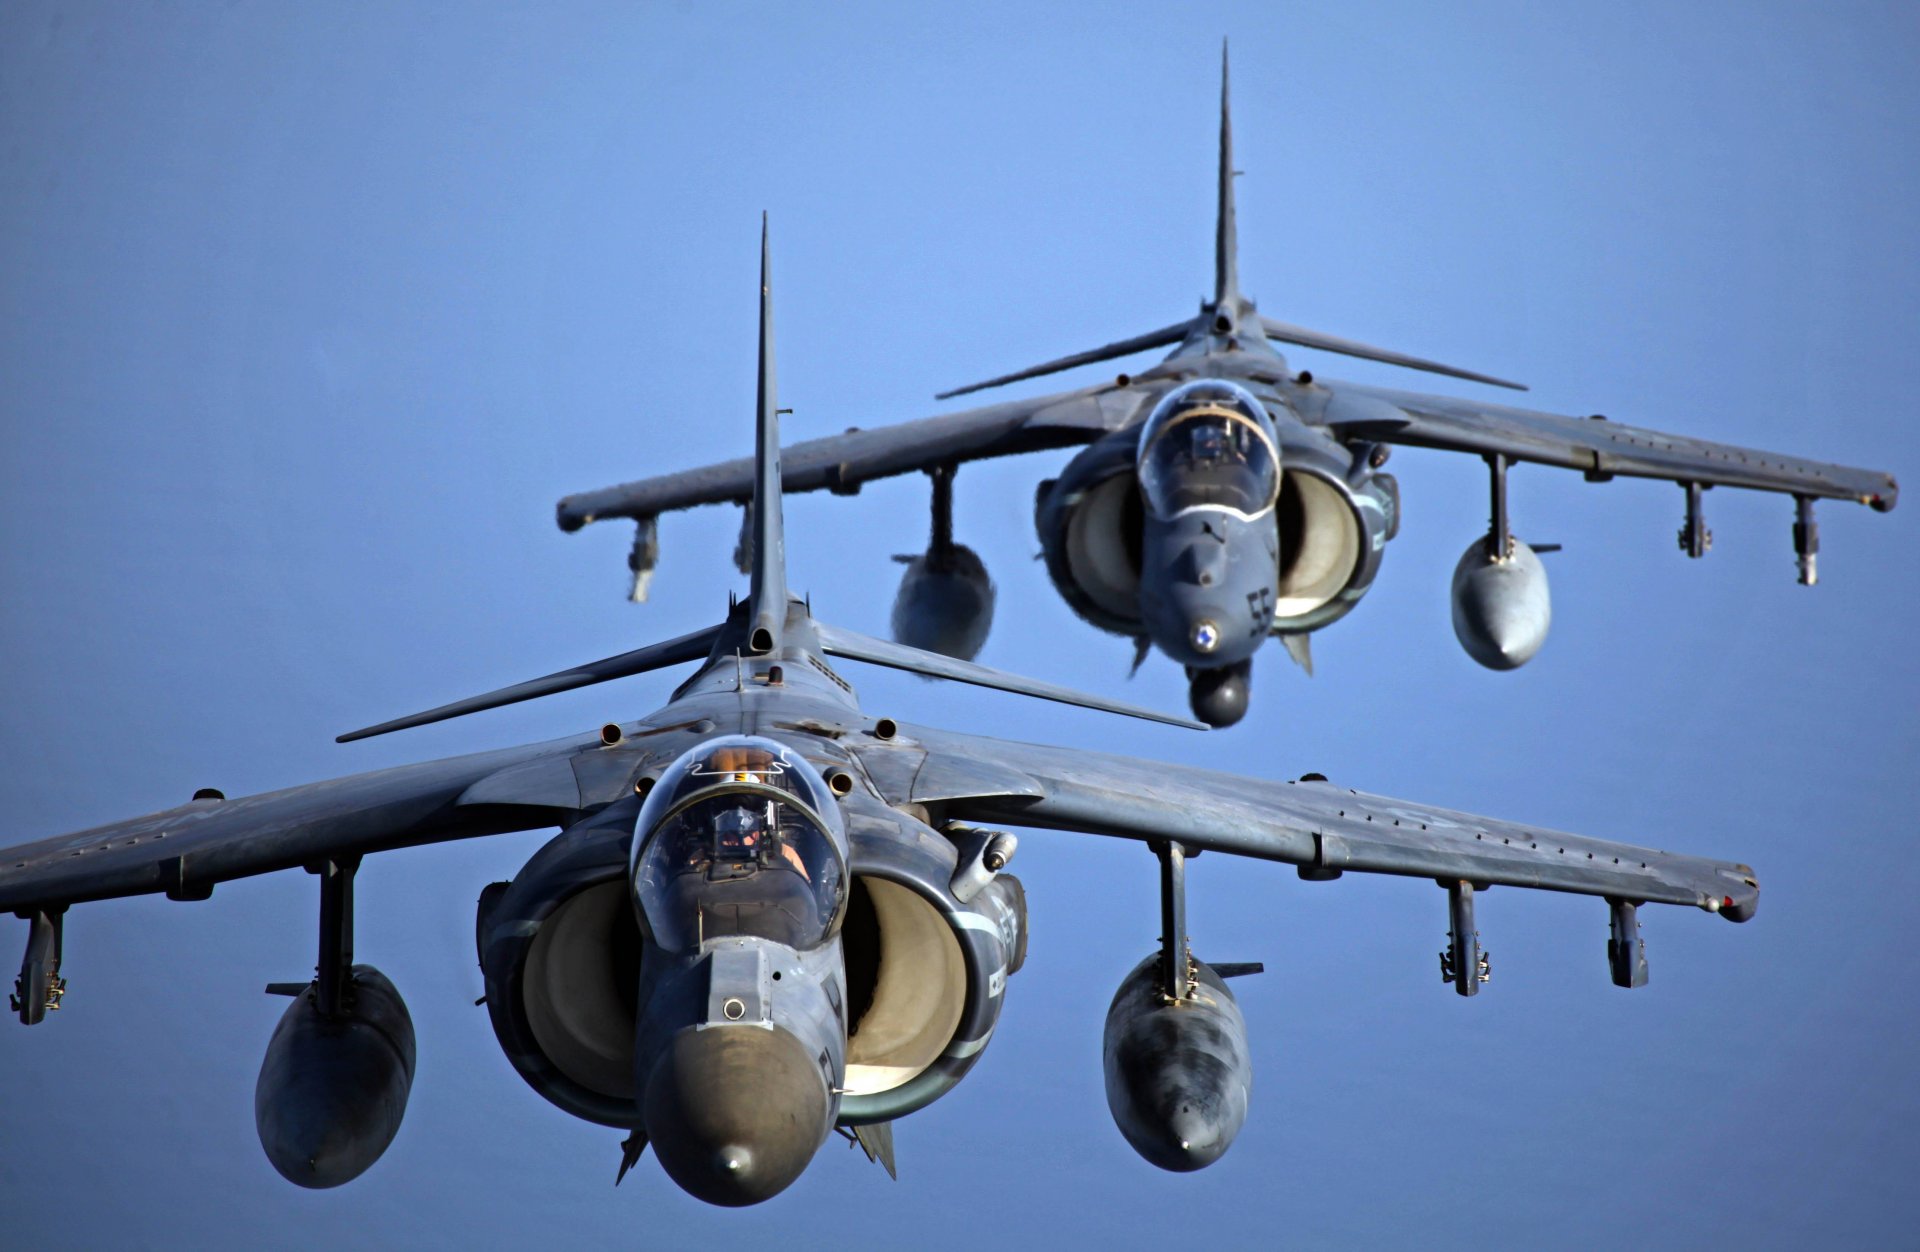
(311, 315)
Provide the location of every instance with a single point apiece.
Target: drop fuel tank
(1501, 607)
(1178, 1071)
(332, 1090)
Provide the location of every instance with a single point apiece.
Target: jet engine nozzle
(332, 1090)
(1501, 608)
(1178, 1071)
(945, 602)
(735, 1112)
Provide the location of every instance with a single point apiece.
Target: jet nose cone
(735, 1112)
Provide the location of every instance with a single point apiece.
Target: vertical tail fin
(1222, 317)
(767, 605)
(1226, 239)
(767, 597)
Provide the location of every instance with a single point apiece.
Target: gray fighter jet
(770, 916)
(1223, 498)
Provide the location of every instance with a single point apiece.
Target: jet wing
(1599, 447)
(184, 851)
(840, 463)
(1316, 825)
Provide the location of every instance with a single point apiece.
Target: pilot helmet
(1209, 444)
(1229, 398)
(740, 836)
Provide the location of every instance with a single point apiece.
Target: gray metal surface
(1179, 1071)
(734, 1054)
(1501, 608)
(946, 597)
(333, 1087)
(767, 596)
(1316, 825)
(1341, 429)
(1594, 445)
(834, 641)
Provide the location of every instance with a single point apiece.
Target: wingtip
(386, 728)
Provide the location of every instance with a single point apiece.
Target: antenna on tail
(1226, 238)
(767, 602)
(1222, 316)
(767, 598)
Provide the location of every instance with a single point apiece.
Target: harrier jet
(1222, 498)
(770, 916)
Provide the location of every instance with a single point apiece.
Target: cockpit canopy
(740, 836)
(1209, 444)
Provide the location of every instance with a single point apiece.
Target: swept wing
(840, 463)
(1598, 447)
(1316, 825)
(184, 851)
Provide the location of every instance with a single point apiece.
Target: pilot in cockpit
(737, 837)
(746, 836)
(1209, 442)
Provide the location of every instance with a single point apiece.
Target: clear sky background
(311, 313)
